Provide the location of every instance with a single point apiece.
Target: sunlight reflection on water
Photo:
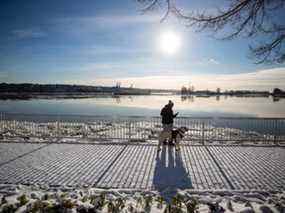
(150, 106)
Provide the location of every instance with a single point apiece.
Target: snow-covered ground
(36, 198)
(138, 166)
(130, 177)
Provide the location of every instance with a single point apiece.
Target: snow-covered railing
(137, 128)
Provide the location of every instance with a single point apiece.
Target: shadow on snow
(170, 174)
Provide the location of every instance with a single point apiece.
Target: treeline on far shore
(29, 91)
(238, 93)
(51, 88)
(49, 91)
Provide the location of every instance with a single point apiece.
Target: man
(167, 122)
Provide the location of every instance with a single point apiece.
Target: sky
(103, 42)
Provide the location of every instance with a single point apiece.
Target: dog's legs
(160, 141)
(171, 141)
(162, 137)
(177, 143)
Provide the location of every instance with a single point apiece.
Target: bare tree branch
(150, 4)
(248, 18)
(270, 52)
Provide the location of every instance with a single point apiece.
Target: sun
(169, 42)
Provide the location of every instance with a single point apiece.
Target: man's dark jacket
(167, 115)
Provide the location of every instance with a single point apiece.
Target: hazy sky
(101, 42)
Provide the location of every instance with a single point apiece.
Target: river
(150, 106)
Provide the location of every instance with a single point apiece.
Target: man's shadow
(170, 174)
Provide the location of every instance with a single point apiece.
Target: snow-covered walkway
(139, 166)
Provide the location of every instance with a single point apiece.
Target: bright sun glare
(169, 42)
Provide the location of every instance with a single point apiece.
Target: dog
(172, 136)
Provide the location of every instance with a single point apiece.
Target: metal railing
(204, 130)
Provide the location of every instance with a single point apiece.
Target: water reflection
(189, 98)
(276, 99)
(151, 105)
(192, 98)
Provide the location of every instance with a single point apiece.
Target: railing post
(57, 128)
(85, 130)
(203, 132)
(2, 124)
(129, 131)
(275, 132)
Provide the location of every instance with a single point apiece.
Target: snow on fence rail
(138, 128)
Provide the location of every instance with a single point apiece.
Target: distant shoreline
(81, 95)
(58, 95)
(27, 91)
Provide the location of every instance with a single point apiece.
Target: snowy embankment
(19, 198)
(214, 131)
